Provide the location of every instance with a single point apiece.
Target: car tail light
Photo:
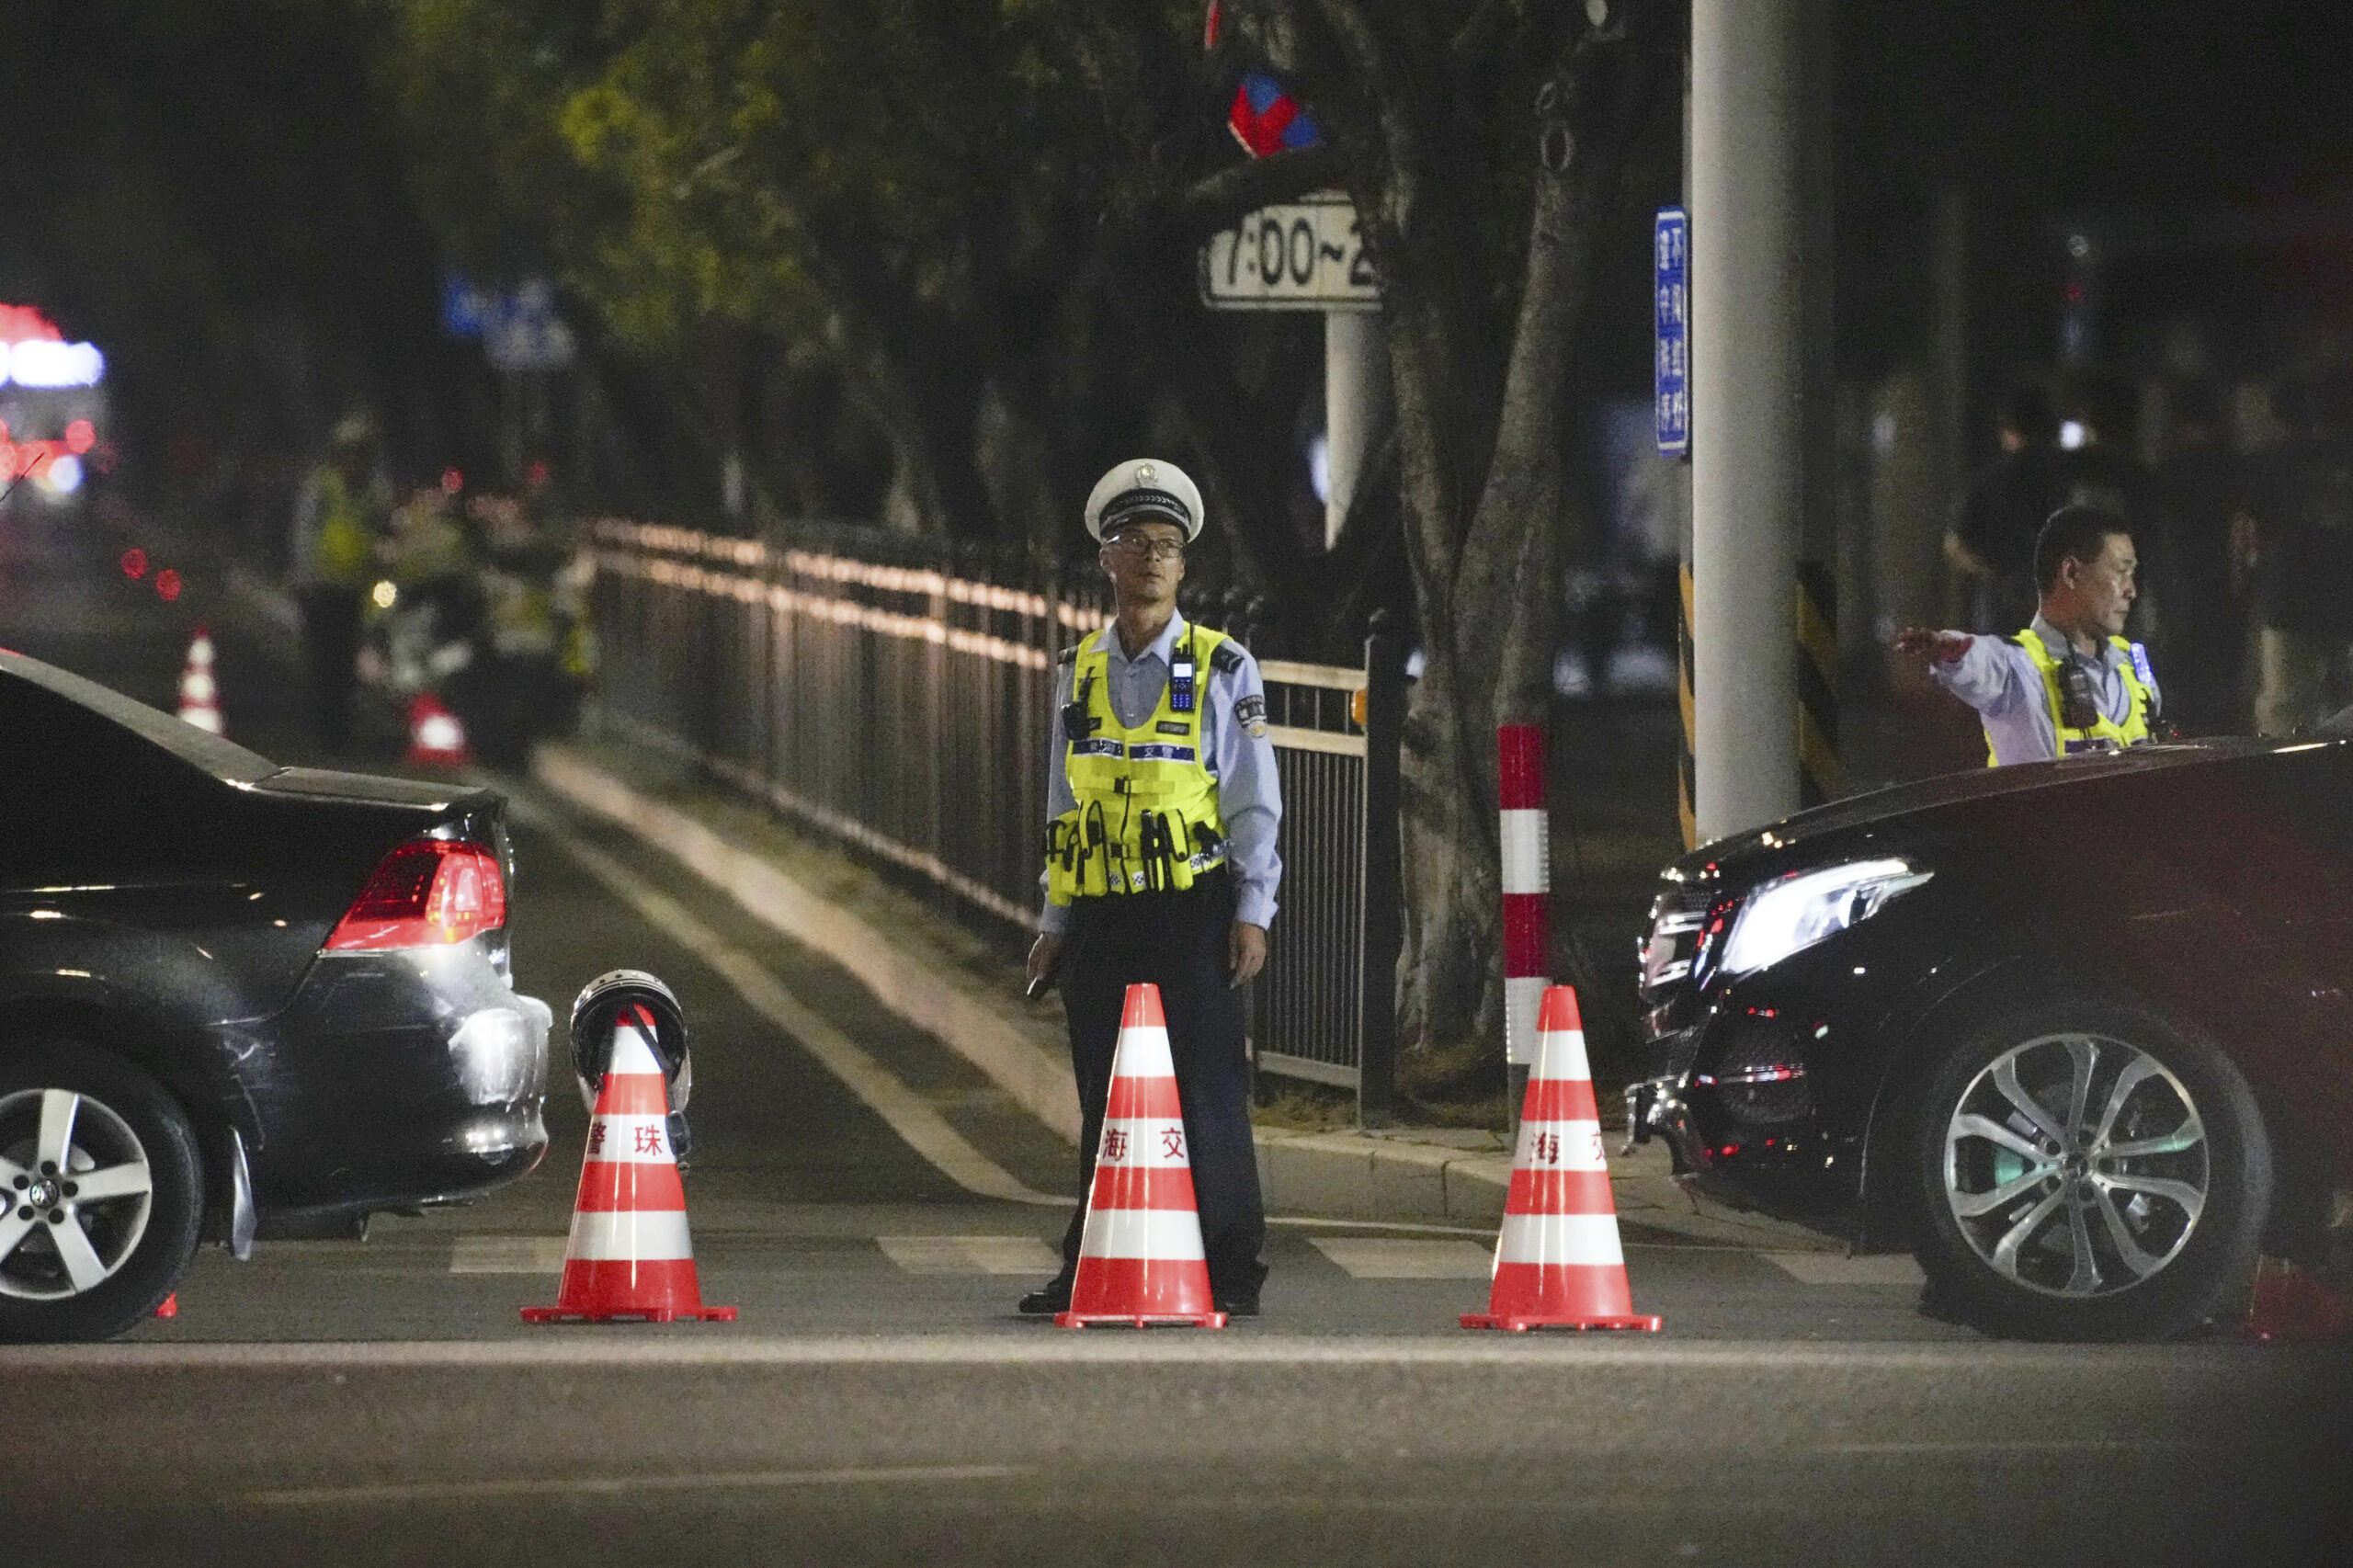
(426, 893)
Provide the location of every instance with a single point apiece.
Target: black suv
(2078, 1033)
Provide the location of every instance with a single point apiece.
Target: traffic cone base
(1558, 1261)
(2291, 1306)
(630, 1257)
(1141, 1264)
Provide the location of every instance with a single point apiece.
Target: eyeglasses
(1138, 547)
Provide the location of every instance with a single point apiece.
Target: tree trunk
(1485, 573)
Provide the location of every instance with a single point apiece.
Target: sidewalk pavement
(960, 987)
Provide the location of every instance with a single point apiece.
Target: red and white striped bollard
(1526, 841)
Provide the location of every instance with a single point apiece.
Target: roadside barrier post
(1526, 840)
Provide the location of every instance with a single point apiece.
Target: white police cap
(1144, 487)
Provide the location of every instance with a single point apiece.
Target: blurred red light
(80, 436)
(134, 564)
(452, 480)
(167, 584)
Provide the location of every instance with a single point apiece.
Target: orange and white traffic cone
(199, 693)
(1140, 1256)
(629, 1255)
(435, 737)
(1558, 1264)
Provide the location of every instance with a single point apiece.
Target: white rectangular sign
(1300, 256)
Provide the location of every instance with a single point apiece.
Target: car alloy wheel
(104, 1185)
(2085, 1168)
(79, 1193)
(2076, 1166)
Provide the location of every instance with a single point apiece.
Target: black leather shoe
(1053, 1296)
(1237, 1306)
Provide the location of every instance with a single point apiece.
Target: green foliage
(952, 201)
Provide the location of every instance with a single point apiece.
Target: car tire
(2154, 1176)
(135, 1241)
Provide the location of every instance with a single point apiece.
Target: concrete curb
(1346, 1176)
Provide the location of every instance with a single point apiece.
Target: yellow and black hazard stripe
(1687, 778)
(1818, 770)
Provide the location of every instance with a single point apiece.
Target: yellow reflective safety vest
(2105, 732)
(1146, 818)
(343, 551)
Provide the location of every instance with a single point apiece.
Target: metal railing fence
(907, 709)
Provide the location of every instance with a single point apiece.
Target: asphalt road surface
(379, 1400)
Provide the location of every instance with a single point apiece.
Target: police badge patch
(1251, 711)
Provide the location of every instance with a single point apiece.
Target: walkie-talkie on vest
(1076, 723)
(1180, 677)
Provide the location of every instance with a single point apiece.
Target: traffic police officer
(339, 520)
(2070, 682)
(1162, 805)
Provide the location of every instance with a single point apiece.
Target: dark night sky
(178, 166)
(2039, 107)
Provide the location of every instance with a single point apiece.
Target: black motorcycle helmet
(640, 997)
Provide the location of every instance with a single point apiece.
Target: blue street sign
(463, 306)
(519, 330)
(1671, 307)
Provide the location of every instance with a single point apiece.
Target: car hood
(365, 788)
(1929, 795)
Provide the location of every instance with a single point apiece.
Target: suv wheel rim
(2076, 1164)
(78, 1191)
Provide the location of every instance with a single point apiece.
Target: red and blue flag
(1266, 119)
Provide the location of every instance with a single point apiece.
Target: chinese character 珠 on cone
(629, 1255)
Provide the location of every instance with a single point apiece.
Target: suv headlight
(1780, 919)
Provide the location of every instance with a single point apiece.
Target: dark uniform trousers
(1179, 942)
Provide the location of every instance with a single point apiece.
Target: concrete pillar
(1355, 400)
(1748, 425)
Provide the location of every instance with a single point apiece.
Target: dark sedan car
(2078, 1033)
(234, 999)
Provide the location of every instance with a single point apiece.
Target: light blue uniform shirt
(1249, 793)
(1995, 676)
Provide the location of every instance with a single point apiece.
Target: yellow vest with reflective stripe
(2104, 731)
(343, 551)
(1147, 815)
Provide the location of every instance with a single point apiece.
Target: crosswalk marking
(970, 1255)
(1838, 1268)
(507, 1254)
(1378, 1257)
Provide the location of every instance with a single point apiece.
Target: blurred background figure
(424, 614)
(2304, 566)
(1990, 546)
(340, 516)
(539, 655)
(2204, 510)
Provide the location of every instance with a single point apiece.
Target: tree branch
(1218, 201)
(1482, 33)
